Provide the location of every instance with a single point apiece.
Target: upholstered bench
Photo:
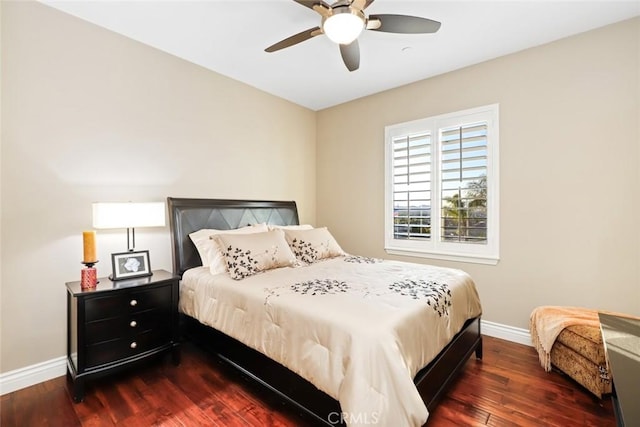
(569, 339)
(579, 353)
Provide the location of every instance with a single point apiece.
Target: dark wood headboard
(189, 215)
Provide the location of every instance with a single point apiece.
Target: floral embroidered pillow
(249, 254)
(313, 245)
(208, 249)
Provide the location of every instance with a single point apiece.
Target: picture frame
(129, 265)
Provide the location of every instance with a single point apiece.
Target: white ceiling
(229, 37)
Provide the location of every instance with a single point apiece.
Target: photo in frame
(128, 265)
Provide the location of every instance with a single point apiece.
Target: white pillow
(290, 227)
(312, 245)
(248, 254)
(208, 249)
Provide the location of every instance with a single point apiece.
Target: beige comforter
(357, 328)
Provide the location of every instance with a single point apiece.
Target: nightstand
(118, 324)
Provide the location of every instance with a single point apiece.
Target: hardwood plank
(507, 388)
(462, 413)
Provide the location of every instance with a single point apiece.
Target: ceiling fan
(344, 20)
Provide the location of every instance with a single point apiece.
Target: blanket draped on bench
(547, 322)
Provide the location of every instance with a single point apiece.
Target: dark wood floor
(507, 388)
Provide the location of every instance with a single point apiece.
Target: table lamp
(129, 215)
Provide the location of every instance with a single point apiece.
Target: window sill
(475, 259)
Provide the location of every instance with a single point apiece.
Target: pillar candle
(89, 246)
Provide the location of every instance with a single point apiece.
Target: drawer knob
(133, 303)
(133, 345)
(133, 324)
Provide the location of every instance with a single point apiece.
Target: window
(442, 186)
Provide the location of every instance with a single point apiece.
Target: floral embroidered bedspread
(358, 328)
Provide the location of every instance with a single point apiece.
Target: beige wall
(569, 161)
(89, 116)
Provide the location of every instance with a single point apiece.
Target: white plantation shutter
(442, 186)
(463, 184)
(412, 186)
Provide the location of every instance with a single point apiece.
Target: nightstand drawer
(109, 351)
(105, 307)
(128, 326)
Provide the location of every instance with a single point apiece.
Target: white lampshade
(343, 27)
(128, 215)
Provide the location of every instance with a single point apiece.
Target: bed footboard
(433, 380)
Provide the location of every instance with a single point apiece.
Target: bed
(299, 384)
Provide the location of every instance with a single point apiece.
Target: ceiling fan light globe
(343, 26)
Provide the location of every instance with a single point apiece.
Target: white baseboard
(31, 375)
(44, 371)
(505, 332)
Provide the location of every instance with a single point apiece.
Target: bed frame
(189, 215)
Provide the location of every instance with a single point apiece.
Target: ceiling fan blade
(351, 55)
(405, 24)
(295, 39)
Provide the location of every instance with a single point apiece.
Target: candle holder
(88, 275)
